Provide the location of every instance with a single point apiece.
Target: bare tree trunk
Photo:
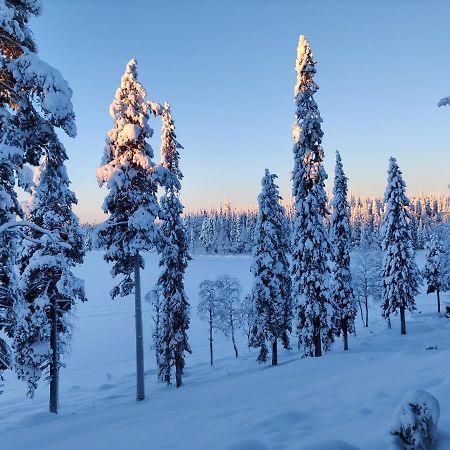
(317, 340)
(233, 339)
(274, 353)
(234, 344)
(178, 371)
(211, 335)
(345, 333)
(156, 337)
(53, 405)
(140, 389)
(438, 300)
(402, 319)
(285, 340)
(361, 311)
(367, 312)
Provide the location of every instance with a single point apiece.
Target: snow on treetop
(304, 63)
(52, 90)
(132, 67)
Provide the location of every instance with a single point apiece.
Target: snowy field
(339, 401)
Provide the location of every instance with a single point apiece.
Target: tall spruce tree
(309, 268)
(172, 340)
(50, 289)
(129, 174)
(400, 273)
(341, 277)
(272, 285)
(34, 99)
(433, 270)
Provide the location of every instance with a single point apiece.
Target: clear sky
(227, 68)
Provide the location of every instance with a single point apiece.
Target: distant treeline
(228, 230)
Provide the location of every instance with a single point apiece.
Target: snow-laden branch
(24, 223)
(156, 108)
(444, 101)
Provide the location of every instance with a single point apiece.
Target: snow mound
(414, 423)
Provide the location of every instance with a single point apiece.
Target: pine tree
(129, 173)
(310, 246)
(341, 284)
(43, 329)
(400, 273)
(272, 285)
(433, 270)
(34, 99)
(173, 246)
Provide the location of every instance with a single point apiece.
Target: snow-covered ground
(315, 403)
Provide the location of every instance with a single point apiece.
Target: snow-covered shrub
(414, 423)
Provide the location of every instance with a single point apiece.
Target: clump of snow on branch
(49, 86)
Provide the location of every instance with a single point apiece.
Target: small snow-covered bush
(415, 421)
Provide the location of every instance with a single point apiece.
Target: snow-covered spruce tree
(34, 99)
(129, 174)
(433, 270)
(173, 246)
(400, 273)
(341, 277)
(50, 289)
(272, 285)
(309, 267)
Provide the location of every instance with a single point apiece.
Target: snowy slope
(237, 405)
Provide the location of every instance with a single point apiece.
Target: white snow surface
(343, 400)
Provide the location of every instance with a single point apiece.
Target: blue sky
(227, 68)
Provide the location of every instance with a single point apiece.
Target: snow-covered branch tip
(444, 101)
(155, 107)
(25, 224)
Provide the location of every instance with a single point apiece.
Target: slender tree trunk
(274, 353)
(233, 339)
(178, 371)
(367, 312)
(402, 319)
(317, 340)
(345, 333)
(157, 343)
(140, 389)
(438, 300)
(285, 340)
(361, 311)
(54, 369)
(210, 335)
